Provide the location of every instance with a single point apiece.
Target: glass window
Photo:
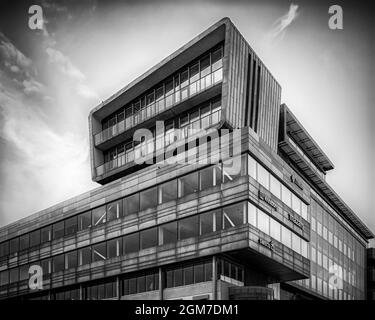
(188, 275)
(304, 210)
(296, 204)
(71, 259)
(208, 271)
(188, 184)
(251, 167)
(24, 272)
(46, 234)
(150, 282)
(216, 59)
(71, 226)
(148, 198)
(286, 237)
(252, 214)
(296, 243)
(46, 266)
(58, 230)
(188, 227)
(194, 72)
(168, 233)
(13, 275)
(149, 238)
(24, 241)
(131, 204)
(209, 222)
(184, 78)
(131, 243)
(141, 284)
(286, 196)
(114, 210)
(14, 245)
(168, 191)
(4, 277)
(205, 65)
(263, 176)
(84, 220)
(34, 238)
(275, 230)
(169, 279)
(233, 215)
(263, 222)
(4, 248)
(233, 168)
(178, 277)
(58, 263)
(275, 187)
(113, 249)
(85, 255)
(99, 252)
(99, 215)
(198, 273)
(210, 177)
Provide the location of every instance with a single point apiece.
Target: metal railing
(160, 105)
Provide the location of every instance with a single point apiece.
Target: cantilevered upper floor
(214, 80)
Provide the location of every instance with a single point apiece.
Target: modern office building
(211, 189)
(371, 273)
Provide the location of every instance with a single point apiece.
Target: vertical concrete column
(118, 288)
(214, 278)
(80, 292)
(161, 284)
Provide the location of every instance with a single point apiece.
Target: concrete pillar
(118, 291)
(214, 278)
(161, 284)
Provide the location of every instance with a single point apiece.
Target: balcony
(128, 157)
(160, 106)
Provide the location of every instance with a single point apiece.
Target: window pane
(114, 210)
(131, 204)
(168, 191)
(34, 238)
(148, 198)
(275, 231)
(208, 271)
(14, 245)
(205, 65)
(263, 222)
(58, 230)
(132, 285)
(207, 178)
(84, 220)
(4, 277)
(24, 272)
(207, 222)
(198, 273)
(286, 236)
(85, 255)
(169, 279)
(99, 216)
(233, 215)
(296, 243)
(216, 59)
(149, 238)
(188, 275)
(99, 252)
(275, 187)
(178, 277)
(231, 169)
(58, 263)
(141, 284)
(168, 233)
(112, 248)
(188, 227)
(46, 234)
(71, 226)
(72, 259)
(251, 167)
(286, 196)
(4, 249)
(263, 177)
(46, 266)
(252, 215)
(296, 204)
(24, 241)
(13, 275)
(188, 184)
(131, 243)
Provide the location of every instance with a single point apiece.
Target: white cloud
(283, 22)
(32, 86)
(64, 64)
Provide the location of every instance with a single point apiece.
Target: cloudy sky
(87, 50)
